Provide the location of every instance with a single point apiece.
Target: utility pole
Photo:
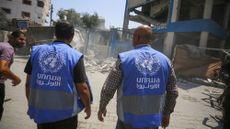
(126, 21)
(51, 14)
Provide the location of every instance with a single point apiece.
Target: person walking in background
(17, 39)
(56, 79)
(145, 83)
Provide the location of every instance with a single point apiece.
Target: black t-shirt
(79, 70)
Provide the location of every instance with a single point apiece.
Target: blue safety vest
(141, 97)
(53, 95)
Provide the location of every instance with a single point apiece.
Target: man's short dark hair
(17, 33)
(64, 30)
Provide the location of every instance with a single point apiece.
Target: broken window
(6, 10)
(40, 4)
(191, 9)
(27, 2)
(25, 14)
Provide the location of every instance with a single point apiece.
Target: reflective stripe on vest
(63, 100)
(151, 104)
(140, 111)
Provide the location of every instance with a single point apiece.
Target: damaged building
(192, 32)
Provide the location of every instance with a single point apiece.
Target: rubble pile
(100, 65)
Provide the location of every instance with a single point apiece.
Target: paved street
(196, 107)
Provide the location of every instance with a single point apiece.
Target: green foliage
(75, 18)
(61, 14)
(90, 21)
(4, 22)
(71, 16)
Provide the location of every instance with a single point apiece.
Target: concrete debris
(208, 82)
(100, 65)
(196, 66)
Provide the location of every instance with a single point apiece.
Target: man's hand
(16, 81)
(101, 115)
(7, 73)
(165, 121)
(88, 112)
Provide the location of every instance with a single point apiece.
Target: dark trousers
(70, 123)
(122, 125)
(2, 97)
(226, 113)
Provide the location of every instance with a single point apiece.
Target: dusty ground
(196, 107)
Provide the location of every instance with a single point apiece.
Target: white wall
(16, 7)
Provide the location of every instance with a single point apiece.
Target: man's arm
(27, 87)
(170, 101)
(80, 80)
(112, 83)
(83, 92)
(5, 70)
(28, 71)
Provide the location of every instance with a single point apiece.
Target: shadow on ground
(206, 120)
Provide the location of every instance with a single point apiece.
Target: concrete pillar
(126, 21)
(170, 37)
(226, 21)
(168, 43)
(227, 16)
(207, 15)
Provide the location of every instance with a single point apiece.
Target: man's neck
(64, 41)
(61, 41)
(142, 44)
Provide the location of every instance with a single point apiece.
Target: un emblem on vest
(51, 61)
(147, 63)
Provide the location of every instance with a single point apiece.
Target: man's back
(142, 78)
(145, 76)
(56, 54)
(56, 83)
(52, 80)
(145, 61)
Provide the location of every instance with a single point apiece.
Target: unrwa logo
(147, 63)
(51, 61)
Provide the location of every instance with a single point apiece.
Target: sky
(111, 10)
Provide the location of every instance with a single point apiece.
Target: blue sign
(22, 25)
(202, 25)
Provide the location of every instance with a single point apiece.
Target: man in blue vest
(145, 83)
(57, 86)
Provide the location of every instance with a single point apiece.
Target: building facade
(202, 23)
(36, 11)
